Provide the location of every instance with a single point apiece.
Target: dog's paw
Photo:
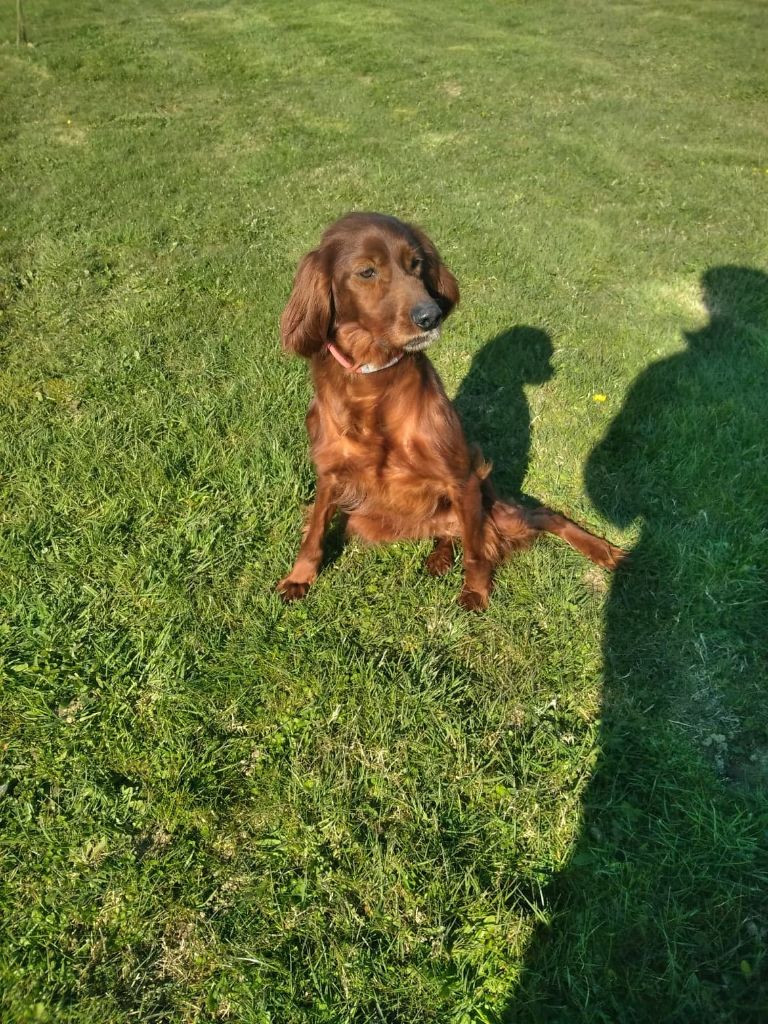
(612, 557)
(473, 601)
(290, 590)
(440, 561)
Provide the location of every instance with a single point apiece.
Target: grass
(372, 806)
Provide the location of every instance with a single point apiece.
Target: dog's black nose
(426, 315)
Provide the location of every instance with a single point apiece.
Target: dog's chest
(369, 449)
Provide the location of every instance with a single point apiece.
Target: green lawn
(372, 806)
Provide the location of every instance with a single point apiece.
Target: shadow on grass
(661, 912)
(493, 391)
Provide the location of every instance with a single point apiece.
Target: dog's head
(375, 284)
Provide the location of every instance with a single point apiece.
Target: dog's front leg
(478, 568)
(304, 572)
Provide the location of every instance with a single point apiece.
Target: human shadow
(492, 405)
(661, 912)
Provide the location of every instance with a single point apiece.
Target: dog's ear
(440, 282)
(306, 320)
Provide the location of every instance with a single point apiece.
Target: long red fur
(388, 446)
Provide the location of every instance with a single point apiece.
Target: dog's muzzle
(422, 341)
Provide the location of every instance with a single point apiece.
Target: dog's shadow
(493, 407)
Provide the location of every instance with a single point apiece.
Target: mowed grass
(372, 806)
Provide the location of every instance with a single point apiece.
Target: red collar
(359, 367)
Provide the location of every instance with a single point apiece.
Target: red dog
(387, 444)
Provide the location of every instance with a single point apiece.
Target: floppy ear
(441, 283)
(306, 320)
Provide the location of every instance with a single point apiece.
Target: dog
(387, 444)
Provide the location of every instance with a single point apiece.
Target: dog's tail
(515, 527)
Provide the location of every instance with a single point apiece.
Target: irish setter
(387, 444)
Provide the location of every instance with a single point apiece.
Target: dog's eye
(416, 266)
(368, 272)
